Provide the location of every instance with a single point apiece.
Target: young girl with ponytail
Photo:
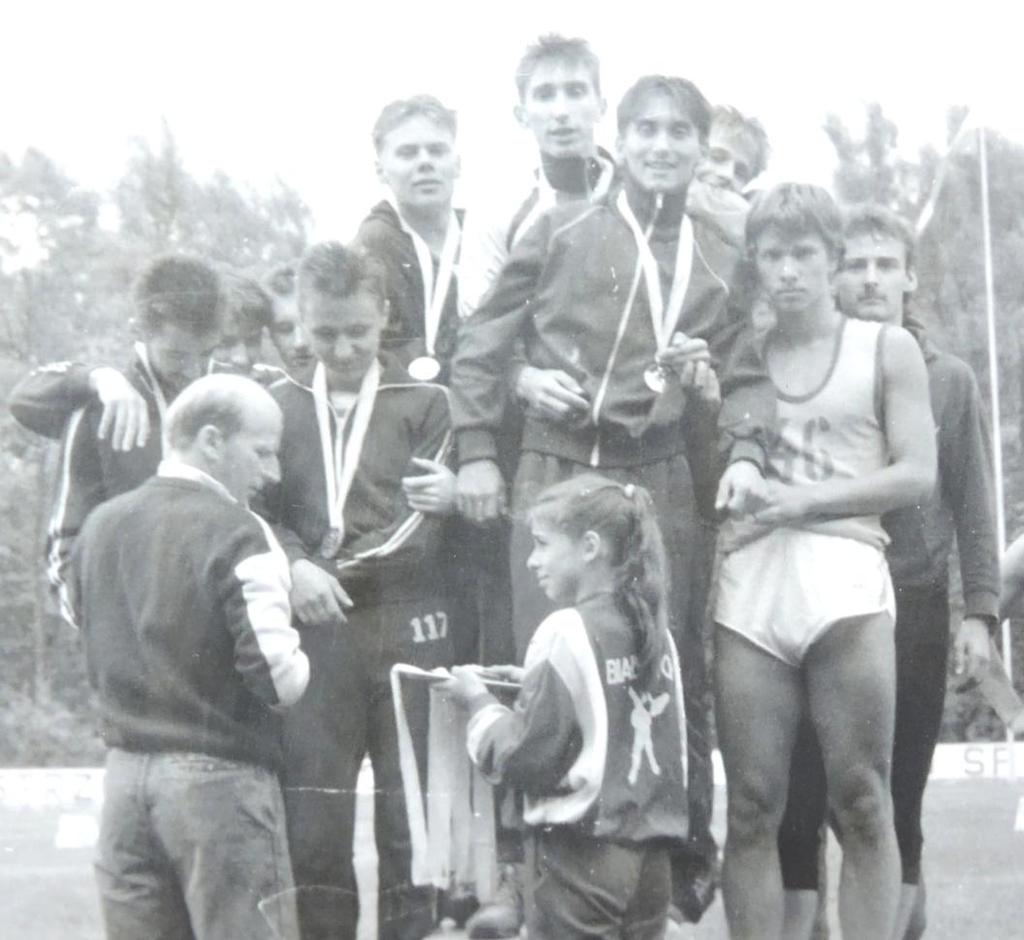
(596, 740)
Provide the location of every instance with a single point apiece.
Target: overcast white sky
(291, 89)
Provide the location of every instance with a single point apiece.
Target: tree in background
(951, 286)
(68, 259)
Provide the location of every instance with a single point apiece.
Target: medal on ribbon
(426, 368)
(663, 316)
(341, 450)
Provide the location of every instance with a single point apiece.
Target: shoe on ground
(502, 916)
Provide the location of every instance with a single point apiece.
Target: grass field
(974, 861)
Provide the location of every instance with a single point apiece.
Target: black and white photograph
(540, 471)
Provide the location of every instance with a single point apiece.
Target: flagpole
(993, 371)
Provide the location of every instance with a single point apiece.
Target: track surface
(974, 861)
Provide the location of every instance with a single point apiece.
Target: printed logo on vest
(645, 709)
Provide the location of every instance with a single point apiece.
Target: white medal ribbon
(663, 318)
(341, 455)
(158, 393)
(434, 292)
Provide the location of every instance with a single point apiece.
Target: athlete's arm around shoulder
(46, 398)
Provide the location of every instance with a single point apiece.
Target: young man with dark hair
(178, 303)
(875, 283)
(47, 397)
(359, 515)
(192, 839)
(559, 88)
(805, 603)
(558, 100)
(624, 302)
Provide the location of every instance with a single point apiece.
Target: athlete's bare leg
(851, 681)
(758, 704)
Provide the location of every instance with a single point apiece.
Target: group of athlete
(552, 439)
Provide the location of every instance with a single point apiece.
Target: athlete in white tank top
(835, 431)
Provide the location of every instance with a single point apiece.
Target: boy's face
(874, 279)
(660, 147)
(178, 356)
(291, 340)
(730, 160)
(418, 162)
(561, 107)
(795, 271)
(344, 333)
(239, 347)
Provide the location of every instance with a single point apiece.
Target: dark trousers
(481, 590)
(346, 713)
(922, 651)
(579, 887)
(688, 550)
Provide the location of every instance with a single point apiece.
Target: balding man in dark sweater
(182, 596)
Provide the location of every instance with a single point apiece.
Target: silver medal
(424, 368)
(654, 379)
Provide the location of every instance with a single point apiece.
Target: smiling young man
(625, 303)
(415, 234)
(805, 603)
(736, 153)
(359, 512)
(875, 283)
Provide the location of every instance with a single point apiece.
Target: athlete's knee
(863, 804)
(755, 811)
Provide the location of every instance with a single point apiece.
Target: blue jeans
(193, 846)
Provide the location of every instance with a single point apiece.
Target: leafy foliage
(68, 257)
(951, 294)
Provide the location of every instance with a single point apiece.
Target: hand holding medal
(664, 316)
(690, 359)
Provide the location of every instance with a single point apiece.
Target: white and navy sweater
(182, 597)
(588, 742)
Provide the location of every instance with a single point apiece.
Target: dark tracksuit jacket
(562, 296)
(391, 563)
(963, 502)
(55, 400)
(600, 755)
(382, 237)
